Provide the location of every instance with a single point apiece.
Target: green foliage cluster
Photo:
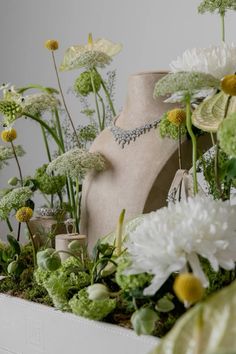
(48, 184)
(93, 309)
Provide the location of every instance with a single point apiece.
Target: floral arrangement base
(27, 328)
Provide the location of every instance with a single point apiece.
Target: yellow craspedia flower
(51, 44)
(188, 288)
(176, 116)
(24, 214)
(8, 135)
(228, 85)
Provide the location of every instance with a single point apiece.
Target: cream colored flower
(98, 53)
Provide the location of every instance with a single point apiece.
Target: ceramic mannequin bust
(138, 176)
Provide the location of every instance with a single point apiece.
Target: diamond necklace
(124, 137)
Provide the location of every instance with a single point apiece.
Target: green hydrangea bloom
(170, 130)
(185, 81)
(227, 135)
(41, 275)
(132, 282)
(216, 5)
(63, 283)
(15, 199)
(83, 84)
(49, 184)
(93, 309)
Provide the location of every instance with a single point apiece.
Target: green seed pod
(143, 321)
(83, 84)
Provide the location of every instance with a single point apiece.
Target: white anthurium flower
(197, 94)
(218, 61)
(96, 53)
(172, 237)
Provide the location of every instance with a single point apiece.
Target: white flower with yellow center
(172, 237)
(96, 53)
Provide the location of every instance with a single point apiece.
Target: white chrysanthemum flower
(76, 163)
(168, 239)
(215, 60)
(98, 53)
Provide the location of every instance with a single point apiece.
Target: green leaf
(206, 328)
(14, 244)
(143, 321)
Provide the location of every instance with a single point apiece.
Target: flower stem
(107, 95)
(9, 225)
(63, 98)
(222, 15)
(46, 144)
(96, 101)
(77, 199)
(18, 231)
(46, 126)
(194, 143)
(179, 147)
(103, 111)
(33, 245)
(17, 162)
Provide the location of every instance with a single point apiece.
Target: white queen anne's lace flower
(171, 237)
(215, 60)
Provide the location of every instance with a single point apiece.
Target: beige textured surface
(139, 176)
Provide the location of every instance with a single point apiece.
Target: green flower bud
(12, 267)
(143, 321)
(48, 259)
(83, 84)
(97, 292)
(13, 181)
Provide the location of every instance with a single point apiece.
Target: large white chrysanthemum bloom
(172, 237)
(216, 60)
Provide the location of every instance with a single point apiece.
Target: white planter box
(29, 328)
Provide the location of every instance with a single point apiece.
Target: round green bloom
(170, 130)
(93, 309)
(49, 184)
(11, 110)
(185, 81)
(227, 135)
(83, 84)
(88, 133)
(132, 282)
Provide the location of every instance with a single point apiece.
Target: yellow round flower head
(51, 44)
(176, 116)
(188, 288)
(228, 85)
(8, 135)
(24, 214)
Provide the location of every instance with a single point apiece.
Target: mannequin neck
(140, 107)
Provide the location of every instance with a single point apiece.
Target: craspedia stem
(17, 162)
(63, 99)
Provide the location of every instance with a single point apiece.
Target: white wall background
(153, 32)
